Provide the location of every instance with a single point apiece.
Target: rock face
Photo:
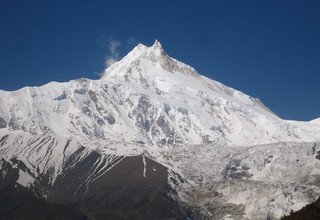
(311, 211)
(133, 190)
(17, 202)
(136, 187)
(98, 186)
(155, 139)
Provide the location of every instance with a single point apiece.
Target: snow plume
(113, 55)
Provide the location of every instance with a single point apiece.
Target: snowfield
(240, 160)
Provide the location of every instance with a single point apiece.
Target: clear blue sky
(267, 49)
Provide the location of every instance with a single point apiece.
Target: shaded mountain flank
(134, 188)
(309, 212)
(18, 202)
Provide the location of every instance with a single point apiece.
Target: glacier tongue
(218, 138)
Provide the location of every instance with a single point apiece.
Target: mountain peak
(143, 57)
(142, 49)
(157, 45)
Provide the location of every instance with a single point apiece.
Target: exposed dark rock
(236, 170)
(3, 123)
(93, 96)
(86, 111)
(123, 193)
(72, 184)
(166, 130)
(20, 165)
(3, 139)
(316, 151)
(309, 212)
(13, 123)
(95, 185)
(61, 97)
(80, 91)
(18, 202)
(111, 120)
(268, 159)
(143, 114)
(99, 120)
(206, 139)
(132, 189)
(159, 92)
(183, 110)
(166, 108)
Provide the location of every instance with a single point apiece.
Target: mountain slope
(214, 142)
(151, 98)
(316, 121)
(17, 202)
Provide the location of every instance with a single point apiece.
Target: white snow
(144, 166)
(315, 121)
(25, 179)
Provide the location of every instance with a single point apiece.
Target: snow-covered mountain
(316, 121)
(225, 153)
